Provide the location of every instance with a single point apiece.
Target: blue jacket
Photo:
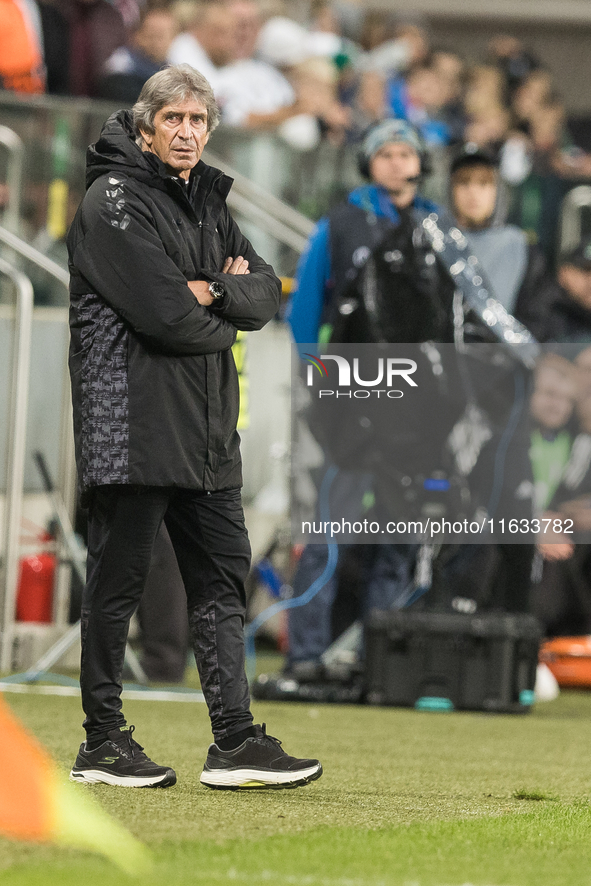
(314, 272)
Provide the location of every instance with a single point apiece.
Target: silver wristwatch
(217, 290)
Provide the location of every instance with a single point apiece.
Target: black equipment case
(446, 661)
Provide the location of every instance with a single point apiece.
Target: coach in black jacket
(161, 279)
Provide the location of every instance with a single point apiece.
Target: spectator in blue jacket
(145, 53)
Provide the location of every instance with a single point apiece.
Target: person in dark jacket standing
(161, 280)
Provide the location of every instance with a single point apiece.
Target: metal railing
(34, 255)
(14, 176)
(17, 427)
(17, 436)
(260, 206)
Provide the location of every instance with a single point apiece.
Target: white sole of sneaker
(97, 776)
(257, 778)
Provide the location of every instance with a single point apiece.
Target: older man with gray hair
(161, 280)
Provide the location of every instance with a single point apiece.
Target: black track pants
(162, 616)
(211, 545)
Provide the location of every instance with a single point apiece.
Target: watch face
(217, 290)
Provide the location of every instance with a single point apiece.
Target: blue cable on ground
(315, 587)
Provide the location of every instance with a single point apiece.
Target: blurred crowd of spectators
(330, 78)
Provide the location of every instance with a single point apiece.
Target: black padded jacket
(154, 385)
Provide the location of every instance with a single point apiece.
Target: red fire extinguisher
(34, 600)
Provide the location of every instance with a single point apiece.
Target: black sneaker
(120, 761)
(259, 762)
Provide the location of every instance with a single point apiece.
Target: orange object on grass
(27, 799)
(37, 803)
(569, 659)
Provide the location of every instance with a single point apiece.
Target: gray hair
(174, 83)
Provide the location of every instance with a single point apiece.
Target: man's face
(427, 89)
(180, 135)
(474, 194)
(217, 34)
(247, 26)
(553, 399)
(392, 167)
(155, 35)
(577, 282)
(450, 68)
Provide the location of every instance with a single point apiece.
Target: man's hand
(235, 266)
(555, 545)
(556, 551)
(200, 288)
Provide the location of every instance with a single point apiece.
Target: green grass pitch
(407, 798)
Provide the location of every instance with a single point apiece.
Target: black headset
(424, 155)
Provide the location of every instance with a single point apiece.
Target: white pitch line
(233, 875)
(132, 694)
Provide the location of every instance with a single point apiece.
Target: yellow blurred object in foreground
(38, 804)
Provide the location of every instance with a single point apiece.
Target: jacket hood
(117, 151)
(116, 148)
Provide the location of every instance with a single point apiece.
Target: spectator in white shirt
(208, 43)
(251, 91)
(295, 100)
